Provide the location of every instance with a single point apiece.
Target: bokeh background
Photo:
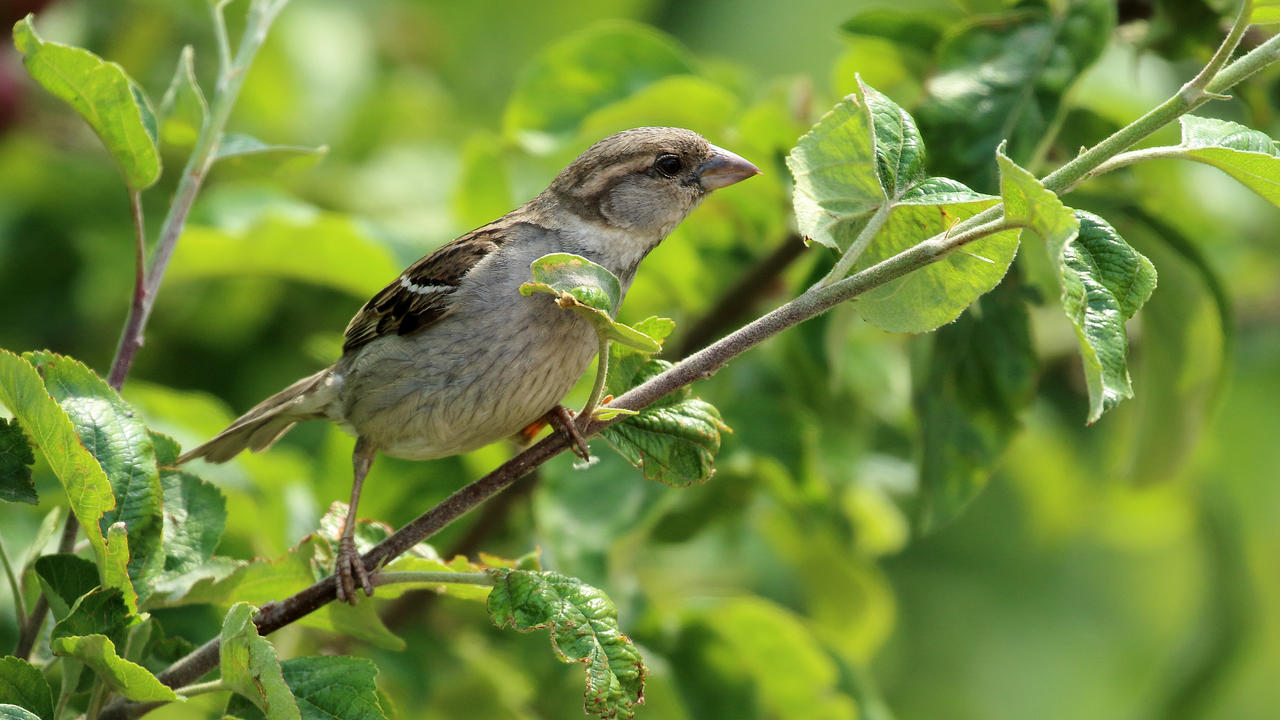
(1126, 570)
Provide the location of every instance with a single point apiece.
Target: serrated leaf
(100, 612)
(589, 290)
(1243, 153)
(867, 156)
(936, 294)
(86, 485)
(584, 72)
(837, 185)
(104, 95)
(250, 668)
(675, 439)
(980, 376)
(16, 460)
(23, 686)
(64, 578)
(584, 628)
(326, 688)
(1103, 280)
(110, 429)
(195, 514)
(1004, 77)
(183, 109)
(129, 679)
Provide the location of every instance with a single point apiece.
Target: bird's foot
(348, 568)
(561, 418)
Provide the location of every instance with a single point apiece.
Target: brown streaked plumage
(449, 356)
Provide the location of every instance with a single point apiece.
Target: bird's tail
(265, 423)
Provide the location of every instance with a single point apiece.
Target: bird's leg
(561, 418)
(349, 566)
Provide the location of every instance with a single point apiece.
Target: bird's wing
(423, 293)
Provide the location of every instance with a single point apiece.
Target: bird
(450, 356)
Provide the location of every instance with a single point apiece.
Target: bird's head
(646, 180)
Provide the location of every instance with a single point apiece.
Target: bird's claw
(348, 567)
(561, 418)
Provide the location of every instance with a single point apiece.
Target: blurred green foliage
(1117, 571)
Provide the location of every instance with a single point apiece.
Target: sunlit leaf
(937, 293)
(16, 460)
(867, 156)
(129, 679)
(1104, 281)
(325, 688)
(112, 432)
(104, 94)
(88, 490)
(195, 514)
(584, 628)
(22, 685)
(1245, 154)
(13, 712)
(250, 668)
(589, 290)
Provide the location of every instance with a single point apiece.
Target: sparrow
(450, 357)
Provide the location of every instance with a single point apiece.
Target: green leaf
(1265, 12)
(584, 72)
(115, 568)
(1004, 77)
(23, 686)
(100, 611)
(195, 514)
(86, 485)
(251, 153)
(1245, 154)
(675, 439)
(250, 668)
(936, 294)
(1104, 281)
(129, 679)
(584, 628)
(867, 156)
(183, 109)
(16, 460)
(980, 376)
(920, 29)
(837, 184)
(13, 712)
(777, 667)
(589, 290)
(64, 578)
(327, 250)
(325, 688)
(110, 429)
(104, 94)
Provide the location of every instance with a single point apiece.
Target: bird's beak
(724, 168)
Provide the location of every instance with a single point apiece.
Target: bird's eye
(668, 165)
